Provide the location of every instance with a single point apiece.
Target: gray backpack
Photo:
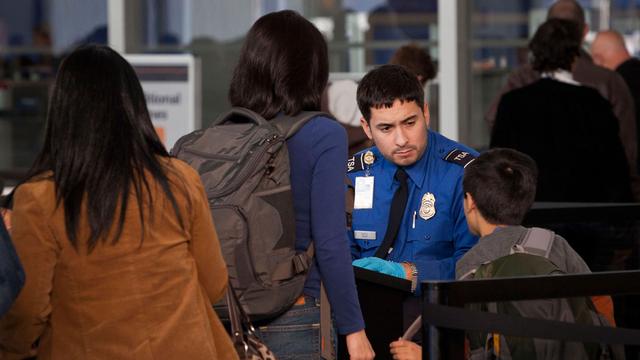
(530, 256)
(243, 163)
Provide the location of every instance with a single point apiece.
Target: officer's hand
(382, 266)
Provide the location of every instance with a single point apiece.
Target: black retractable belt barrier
(459, 318)
(444, 319)
(544, 212)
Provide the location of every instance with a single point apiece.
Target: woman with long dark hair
(283, 68)
(121, 257)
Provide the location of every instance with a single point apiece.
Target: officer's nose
(401, 137)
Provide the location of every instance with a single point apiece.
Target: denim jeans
(296, 333)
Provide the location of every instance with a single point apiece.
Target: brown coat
(135, 299)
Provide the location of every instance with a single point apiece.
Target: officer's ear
(365, 126)
(427, 115)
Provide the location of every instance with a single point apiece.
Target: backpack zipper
(209, 156)
(272, 140)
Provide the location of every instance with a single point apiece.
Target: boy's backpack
(530, 257)
(243, 163)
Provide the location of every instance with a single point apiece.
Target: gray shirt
(500, 242)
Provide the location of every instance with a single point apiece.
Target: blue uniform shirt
(432, 241)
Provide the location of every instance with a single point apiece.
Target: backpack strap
(289, 125)
(537, 241)
(326, 348)
(300, 263)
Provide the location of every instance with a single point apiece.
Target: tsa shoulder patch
(457, 156)
(355, 163)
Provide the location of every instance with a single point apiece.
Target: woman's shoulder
(39, 191)
(325, 128)
(181, 169)
(37, 185)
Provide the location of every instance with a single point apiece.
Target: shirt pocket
(431, 239)
(366, 232)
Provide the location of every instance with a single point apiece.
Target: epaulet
(457, 156)
(355, 163)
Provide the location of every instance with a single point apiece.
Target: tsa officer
(408, 220)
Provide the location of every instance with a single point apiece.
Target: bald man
(609, 50)
(608, 83)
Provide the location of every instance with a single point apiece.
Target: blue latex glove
(382, 266)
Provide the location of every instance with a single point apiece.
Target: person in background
(339, 99)
(417, 60)
(608, 83)
(609, 50)
(571, 118)
(292, 84)
(121, 257)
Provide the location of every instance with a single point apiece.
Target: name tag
(364, 235)
(363, 193)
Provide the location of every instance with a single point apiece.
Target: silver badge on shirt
(428, 206)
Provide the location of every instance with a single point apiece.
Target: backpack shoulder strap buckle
(536, 241)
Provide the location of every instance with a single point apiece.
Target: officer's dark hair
(502, 183)
(555, 45)
(283, 66)
(386, 84)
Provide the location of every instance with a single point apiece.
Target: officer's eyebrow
(409, 118)
(391, 124)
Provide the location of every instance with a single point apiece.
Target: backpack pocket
(233, 230)
(272, 213)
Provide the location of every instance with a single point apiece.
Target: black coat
(572, 134)
(630, 72)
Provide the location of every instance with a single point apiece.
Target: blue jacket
(11, 273)
(432, 241)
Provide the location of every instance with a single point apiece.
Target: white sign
(171, 84)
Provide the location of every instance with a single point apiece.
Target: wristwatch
(414, 276)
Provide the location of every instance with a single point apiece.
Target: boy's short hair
(386, 84)
(502, 183)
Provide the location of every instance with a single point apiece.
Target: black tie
(396, 213)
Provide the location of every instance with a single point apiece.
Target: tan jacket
(148, 299)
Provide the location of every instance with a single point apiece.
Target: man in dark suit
(608, 83)
(568, 129)
(609, 50)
